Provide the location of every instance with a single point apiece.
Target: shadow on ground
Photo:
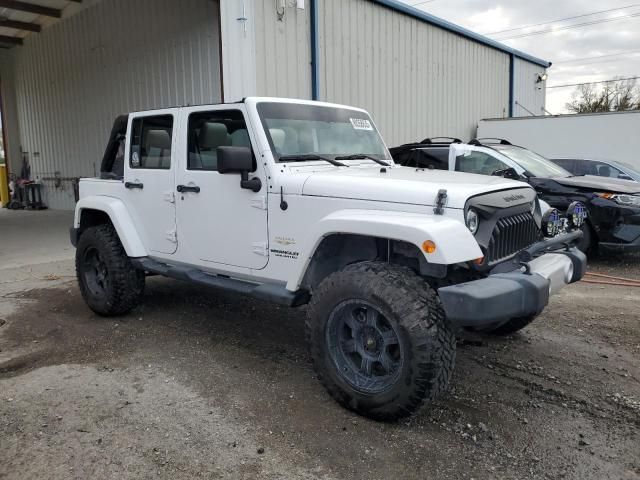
(196, 382)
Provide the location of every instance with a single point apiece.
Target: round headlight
(473, 221)
(552, 223)
(577, 214)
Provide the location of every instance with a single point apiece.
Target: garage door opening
(74, 76)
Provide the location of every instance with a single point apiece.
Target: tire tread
(126, 282)
(420, 311)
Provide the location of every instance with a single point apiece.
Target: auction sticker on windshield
(361, 124)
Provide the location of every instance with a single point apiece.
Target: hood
(403, 185)
(599, 184)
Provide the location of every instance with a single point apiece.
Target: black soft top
(118, 132)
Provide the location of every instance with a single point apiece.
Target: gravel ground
(196, 383)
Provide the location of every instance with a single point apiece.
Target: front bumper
(522, 292)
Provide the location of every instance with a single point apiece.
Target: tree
(614, 96)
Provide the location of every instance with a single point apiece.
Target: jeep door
(149, 178)
(218, 221)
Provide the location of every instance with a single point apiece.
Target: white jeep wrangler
(299, 202)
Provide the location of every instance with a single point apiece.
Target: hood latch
(441, 201)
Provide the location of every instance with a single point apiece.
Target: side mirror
(238, 160)
(509, 173)
(512, 174)
(234, 159)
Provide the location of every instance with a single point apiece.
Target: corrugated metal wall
(417, 80)
(118, 56)
(283, 52)
(526, 91)
(72, 79)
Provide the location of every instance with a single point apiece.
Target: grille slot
(510, 235)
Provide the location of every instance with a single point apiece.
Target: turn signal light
(428, 246)
(479, 261)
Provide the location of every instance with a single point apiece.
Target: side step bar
(272, 293)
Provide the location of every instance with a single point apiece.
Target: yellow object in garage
(4, 186)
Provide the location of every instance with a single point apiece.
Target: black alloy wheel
(364, 346)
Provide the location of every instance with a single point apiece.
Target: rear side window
(151, 139)
(569, 165)
(431, 158)
(210, 130)
(437, 158)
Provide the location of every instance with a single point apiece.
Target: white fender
(454, 242)
(120, 218)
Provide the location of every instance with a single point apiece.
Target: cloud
(487, 16)
(493, 19)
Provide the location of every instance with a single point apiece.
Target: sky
(571, 50)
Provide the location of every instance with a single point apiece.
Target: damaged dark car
(613, 223)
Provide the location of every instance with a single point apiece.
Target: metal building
(74, 65)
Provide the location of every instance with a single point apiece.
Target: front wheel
(379, 340)
(108, 282)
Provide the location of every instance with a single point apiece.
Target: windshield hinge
(441, 201)
(172, 236)
(169, 197)
(261, 248)
(259, 203)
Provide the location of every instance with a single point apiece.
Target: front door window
(479, 162)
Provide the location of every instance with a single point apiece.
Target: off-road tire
(512, 326)
(125, 284)
(413, 309)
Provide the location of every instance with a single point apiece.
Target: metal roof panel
(439, 22)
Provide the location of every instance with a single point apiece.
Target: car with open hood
(613, 205)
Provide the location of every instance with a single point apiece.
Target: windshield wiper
(305, 157)
(362, 156)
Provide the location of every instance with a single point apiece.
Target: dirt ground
(196, 383)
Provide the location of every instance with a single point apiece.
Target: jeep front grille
(510, 235)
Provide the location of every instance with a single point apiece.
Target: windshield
(297, 129)
(534, 165)
(633, 170)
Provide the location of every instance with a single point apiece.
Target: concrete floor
(199, 383)
(32, 237)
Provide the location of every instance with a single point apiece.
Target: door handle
(187, 188)
(133, 185)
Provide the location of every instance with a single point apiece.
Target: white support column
(237, 32)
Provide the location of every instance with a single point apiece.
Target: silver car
(600, 168)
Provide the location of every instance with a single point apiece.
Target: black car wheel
(108, 282)
(364, 346)
(379, 339)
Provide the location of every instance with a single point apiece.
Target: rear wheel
(108, 282)
(379, 340)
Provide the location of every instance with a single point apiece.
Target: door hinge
(261, 248)
(170, 197)
(172, 236)
(260, 203)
